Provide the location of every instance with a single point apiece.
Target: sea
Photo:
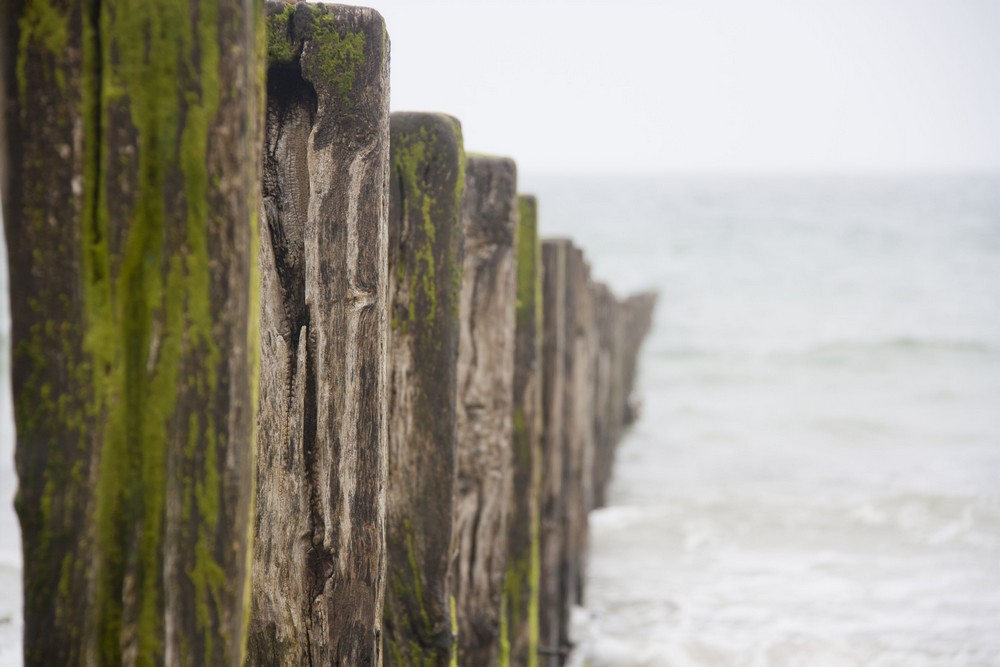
(814, 479)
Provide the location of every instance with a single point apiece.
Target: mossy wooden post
(425, 272)
(553, 503)
(132, 144)
(485, 405)
(319, 553)
(521, 596)
(578, 431)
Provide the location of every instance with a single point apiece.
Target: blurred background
(814, 189)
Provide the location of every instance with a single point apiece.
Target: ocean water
(815, 479)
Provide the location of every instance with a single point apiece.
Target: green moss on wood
(432, 284)
(141, 327)
(280, 48)
(339, 54)
(259, 70)
(529, 282)
(44, 25)
(332, 54)
(407, 586)
(410, 159)
(504, 633)
(459, 195)
(454, 632)
(147, 335)
(523, 573)
(535, 573)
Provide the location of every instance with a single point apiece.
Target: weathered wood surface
(606, 429)
(485, 409)
(425, 270)
(578, 432)
(319, 554)
(552, 506)
(621, 327)
(521, 600)
(129, 220)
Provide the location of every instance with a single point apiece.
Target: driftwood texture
(129, 219)
(425, 271)
(485, 410)
(319, 553)
(553, 505)
(521, 600)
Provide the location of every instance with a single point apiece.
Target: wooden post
(618, 393)
(319, 553)
(605, 434)
(578, 432)
(425, 272)
(521, 595)
(638, 312)
(553, 507)
(485, 405)
(132, 139)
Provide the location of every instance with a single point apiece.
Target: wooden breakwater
(296, 382)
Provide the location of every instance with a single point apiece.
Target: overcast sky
(717, 85)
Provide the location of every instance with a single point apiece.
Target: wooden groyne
(319, 552)
(296, 381)
(425, 268)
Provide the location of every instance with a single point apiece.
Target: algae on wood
(521, 595)
(425, 271)
(132, 140)
(319, 551)
(485, 409)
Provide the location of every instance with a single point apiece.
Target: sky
(708, 85)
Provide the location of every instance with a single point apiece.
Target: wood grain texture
(485, 409)
(553, 507)
(523, 555)
(425, 271)
(319, 554)
(578, 432)
(130, 222)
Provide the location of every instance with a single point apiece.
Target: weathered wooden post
(553, 506)
(521, 595)
(578, 431)
(425, 278)
(319, 553)
(485, 405)
(618, 392)
(605, 434)
(638, 311)
(132, 143)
